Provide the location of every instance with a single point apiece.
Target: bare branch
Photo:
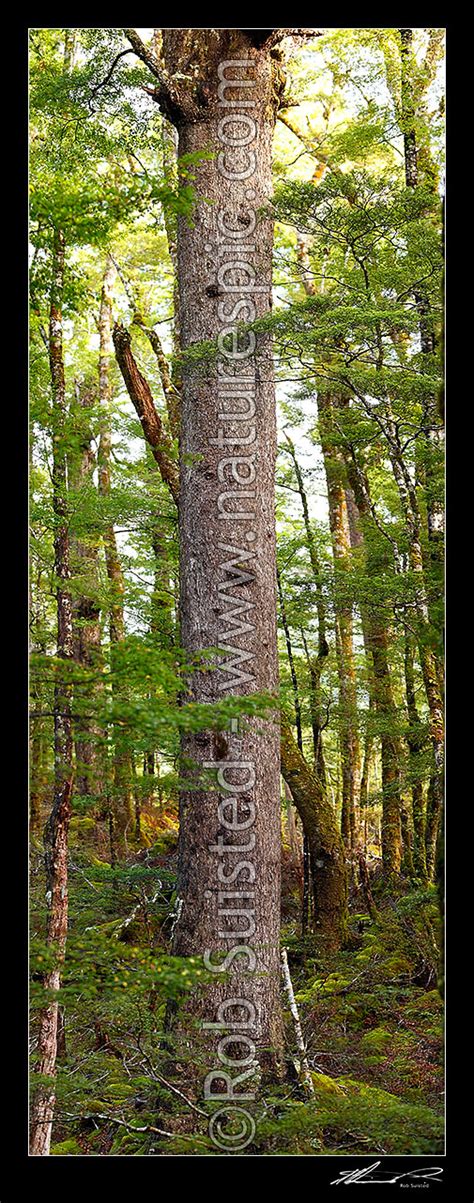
(105, 81)
(140, 394)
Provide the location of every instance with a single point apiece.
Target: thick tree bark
(227, 531)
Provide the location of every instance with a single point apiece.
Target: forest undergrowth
(371, 1015)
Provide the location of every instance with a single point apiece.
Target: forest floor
(372, 1017)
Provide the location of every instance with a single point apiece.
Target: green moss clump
(324, 1085)
(66, 1148)
(377, 1040)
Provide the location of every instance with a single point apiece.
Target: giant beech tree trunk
(226, 109)
(227, 527)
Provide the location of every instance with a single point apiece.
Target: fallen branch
(305, 1072)
(123, 1123)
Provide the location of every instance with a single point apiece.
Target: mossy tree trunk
(328, 867)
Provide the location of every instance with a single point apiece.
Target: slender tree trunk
(341, 546)
(161, 631)
(292, 666)
(415, 743)
(120, 795)
(305, 906)
(292, 832)
(314, 673)
(419, 169)
(57, 826)
(364, 781)
(365, 883)
(375, 630)
(37, 777)
(84, 558)
(406, 825)
(315, 664)
(170, 170)
(434, 810)
(326, 848)
(427, 656)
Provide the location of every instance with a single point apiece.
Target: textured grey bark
(202, 530)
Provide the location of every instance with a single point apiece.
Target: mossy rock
(396, 966)
(95, 1105)
(66, 1148)
(382, 1119)
(427, 1003)
(377, 1040)
(324, 1085)
(364, 957)
(118, 1091)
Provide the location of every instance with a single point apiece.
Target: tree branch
(171, 394)
(141, 397)
(166, 95)
(105, 81)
